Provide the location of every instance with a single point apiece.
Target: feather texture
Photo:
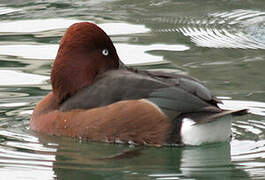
(170, 92)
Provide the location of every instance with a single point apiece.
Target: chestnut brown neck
(71, 72)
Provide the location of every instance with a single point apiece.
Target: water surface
(221, 43)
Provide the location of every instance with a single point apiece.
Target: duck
(96, 97)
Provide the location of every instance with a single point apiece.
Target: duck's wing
(186, 83)
(173, 94)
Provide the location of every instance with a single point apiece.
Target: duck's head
(85, 51)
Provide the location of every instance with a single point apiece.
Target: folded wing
(174, 94)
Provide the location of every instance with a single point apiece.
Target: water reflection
(21, 153)
(13, 78)
(221, 43)
(43, 25)
(36, 25)
(249, 156)
(213, 162)
(253, 107)
(130, 54)
(5, 10)
(64, 158)
(206, 162)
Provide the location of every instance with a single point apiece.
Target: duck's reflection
(210, 161)
(84, 160)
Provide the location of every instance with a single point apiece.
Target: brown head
(85, 51)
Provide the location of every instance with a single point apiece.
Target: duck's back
(169, 92)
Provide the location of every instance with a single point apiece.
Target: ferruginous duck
(96, 97)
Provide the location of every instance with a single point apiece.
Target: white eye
(105, 52)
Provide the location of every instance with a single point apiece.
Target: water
(219, 42)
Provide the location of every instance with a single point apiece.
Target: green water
(219, 42)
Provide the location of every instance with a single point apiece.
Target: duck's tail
(208, 117)
(204, 127)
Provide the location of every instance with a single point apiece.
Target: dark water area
(220, 42)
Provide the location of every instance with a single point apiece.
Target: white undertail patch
(197, 134)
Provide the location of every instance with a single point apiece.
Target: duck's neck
(67, 78)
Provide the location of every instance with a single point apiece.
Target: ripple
(207, 162)
(40, 25)
(6, 10)
(17, 104)
(23, 153)
(129, 53)
(248, 144)
(166, 176)
(24, 173)
(254, 107)
(14, 78)
(35, 25)
(139, 54)
(249, 155)
(243, 29)
(26, 112)
(30, 51)
(10, 94)
(123, 28)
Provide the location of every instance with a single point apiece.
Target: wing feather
(171, 93)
